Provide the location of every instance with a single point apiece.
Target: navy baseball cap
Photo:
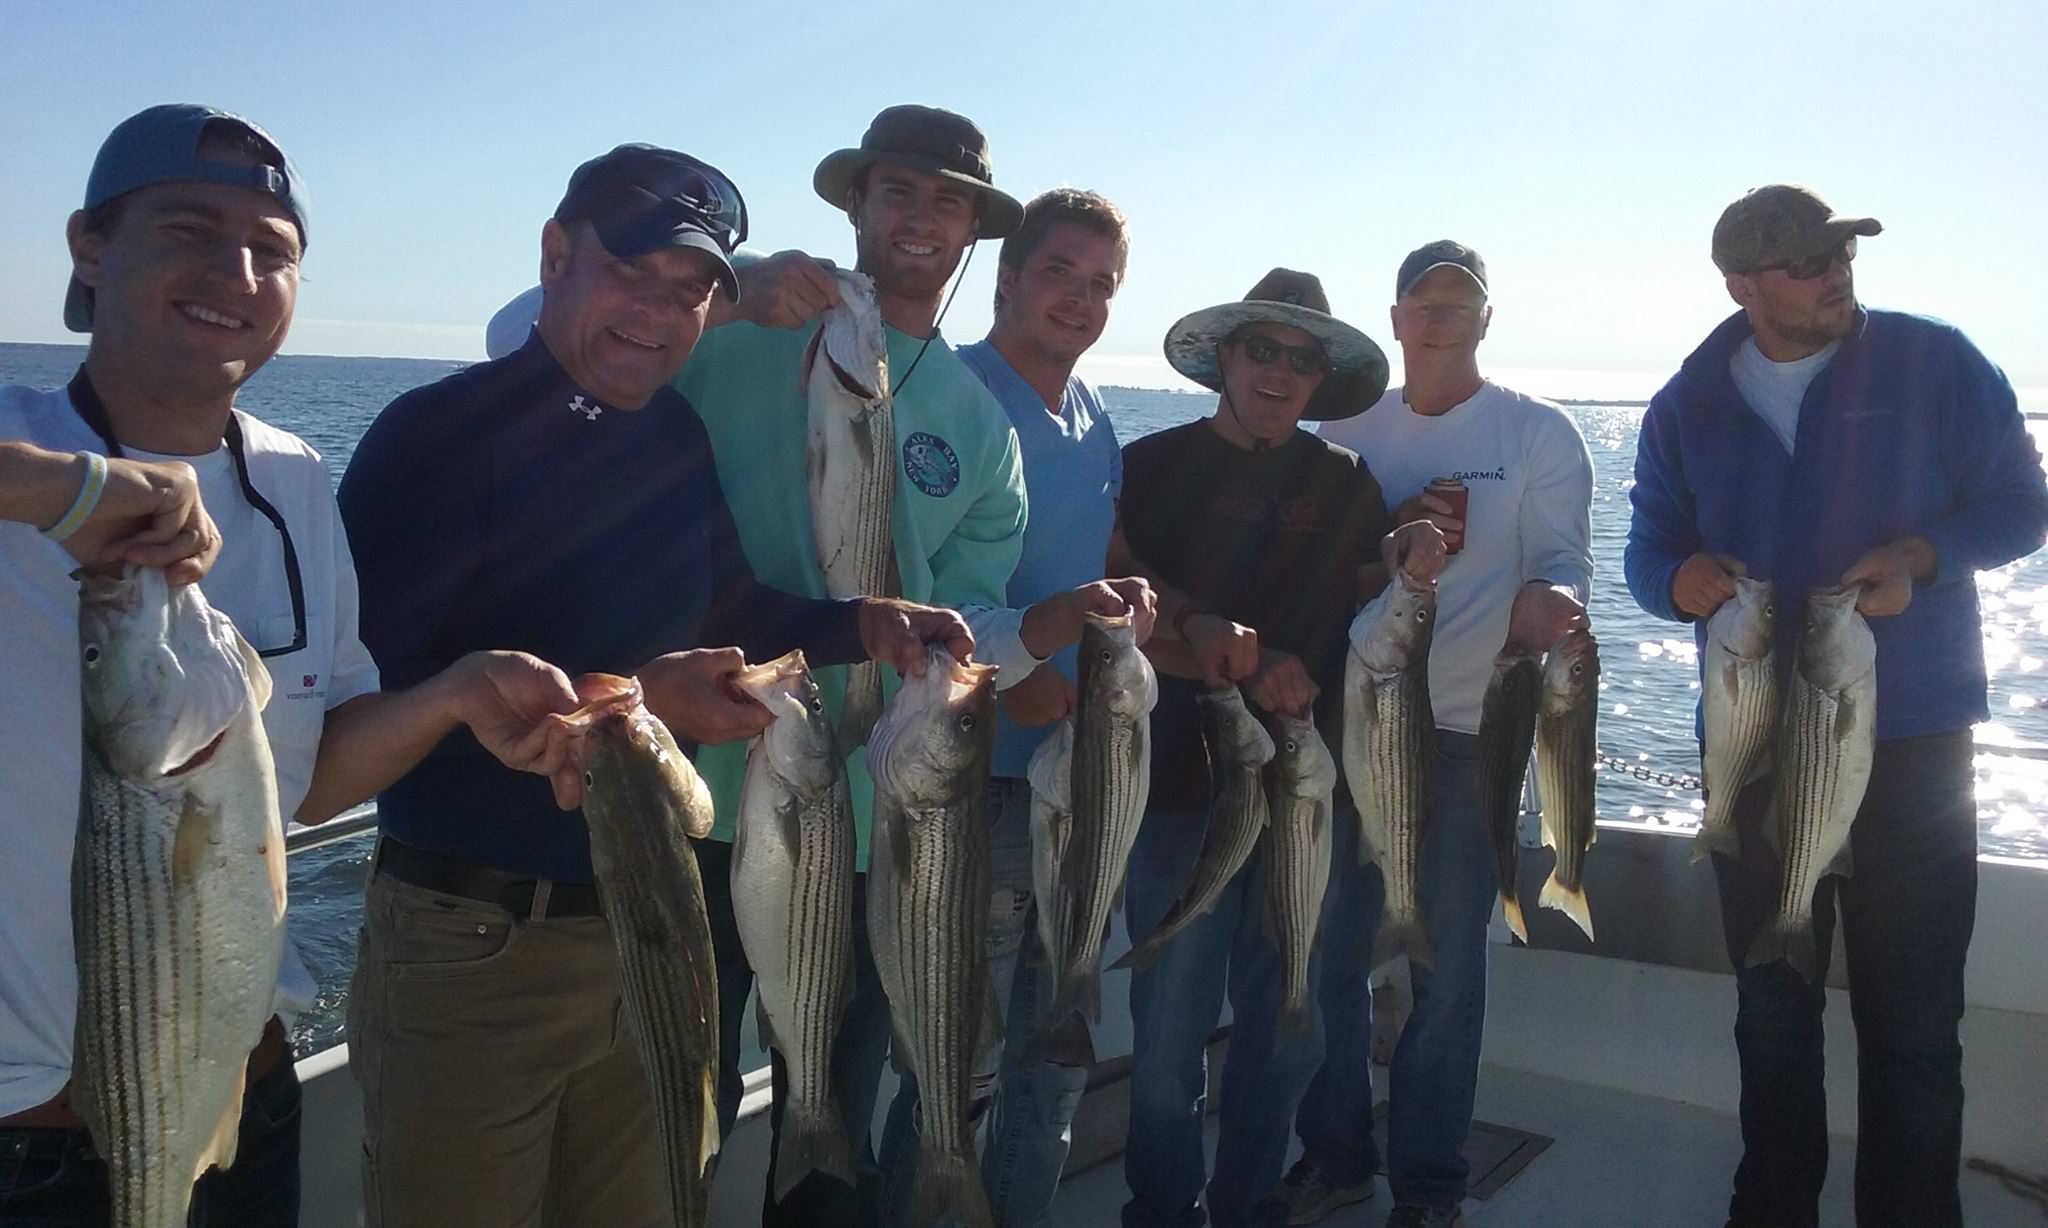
(162, 145)
(1432, 256)
(641, 198)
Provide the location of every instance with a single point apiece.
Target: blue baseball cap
(162, 145)
(640, 198)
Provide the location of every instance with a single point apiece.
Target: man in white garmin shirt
(1522, 573)
(185, 266)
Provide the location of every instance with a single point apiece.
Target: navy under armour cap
(641, 198)
(164, 145)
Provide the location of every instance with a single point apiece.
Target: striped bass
(1300, 783)
(792, 890)
(1390, 752)
(852, 461)
(1826, 737)
(1567, 719)
(1239, 749)
(928, 893)
(644, 803)
(1739, 684)
(1112, 775)
(1507, 732)
(1051, 774)
(178, 887)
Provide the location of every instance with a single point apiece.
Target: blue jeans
(54, 1179)
(1435, 1073)
(1029, 1123)
(857, 1056)
(1175, 1004)
(1907, 913)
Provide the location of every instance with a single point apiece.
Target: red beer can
(1455, 493)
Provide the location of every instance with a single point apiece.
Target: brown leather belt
(56, 1113)
(522, 897)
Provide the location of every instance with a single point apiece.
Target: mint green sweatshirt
(959, 496)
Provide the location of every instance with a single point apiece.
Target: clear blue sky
(1585, 149)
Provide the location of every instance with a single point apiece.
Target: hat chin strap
(1259, 442)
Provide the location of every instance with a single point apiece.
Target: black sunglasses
(1263, 350)
(1809, 267)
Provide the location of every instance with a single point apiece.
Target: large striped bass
(1239, 749)
(1567, 719)
(1112, 775)
(928, 892)
(178, 887)
(1051, 775)
(1826, 737)
(1507, 733)
(1390, 752)
(1300, 782)
(1739, 685)
(852, 461)
(644, 803)
(792, 891)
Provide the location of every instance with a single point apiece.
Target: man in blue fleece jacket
(1813, 442)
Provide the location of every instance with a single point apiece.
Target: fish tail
(1571, 901)
(1716, 838)
(1403, 936)
(1137, 957)
(948, 1182)
(1789, 940)
(1511, 909)
(1294, 1016)
(812, 1142)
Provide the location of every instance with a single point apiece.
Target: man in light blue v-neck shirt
(1055, 278)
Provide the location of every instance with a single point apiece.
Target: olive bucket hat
(1358, 367)
(930, 140)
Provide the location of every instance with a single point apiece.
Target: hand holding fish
(144, 513)
(1053, 624)
(785, 290)
(1043, 697)
(693, 694)
(1417, 547)
(1887, 575)
(1704, 581)
(1224, 651)
(1541, 615)
(899, 633)
(506, 698)
(1282, 684)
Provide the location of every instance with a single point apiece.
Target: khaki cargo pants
(501, 1086)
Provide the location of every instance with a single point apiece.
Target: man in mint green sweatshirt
(918, 191)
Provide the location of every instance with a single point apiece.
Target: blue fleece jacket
(1909, 430)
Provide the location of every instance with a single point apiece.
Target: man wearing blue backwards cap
(185, 271)
(562, 497)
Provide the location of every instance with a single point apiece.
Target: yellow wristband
(86, 503)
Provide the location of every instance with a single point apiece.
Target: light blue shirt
(1073, 472)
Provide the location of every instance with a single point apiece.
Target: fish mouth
(603, 695)
(848, 381)
(202, 758)
(762, 683)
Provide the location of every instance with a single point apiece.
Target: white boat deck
(1616, 1161)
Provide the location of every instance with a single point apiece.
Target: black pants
(1907, 912)
(54, 1178)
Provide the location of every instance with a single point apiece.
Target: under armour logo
(589, 412)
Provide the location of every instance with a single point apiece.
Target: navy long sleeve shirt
(1909, 430)
(505, 507)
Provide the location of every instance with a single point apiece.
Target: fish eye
(966, 722)
(92, 654)
(1290, 746)
(817, 704)
(589, 781)
(1106, 654)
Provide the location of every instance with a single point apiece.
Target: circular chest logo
(931, 464)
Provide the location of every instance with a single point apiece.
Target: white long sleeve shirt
(1529, 517)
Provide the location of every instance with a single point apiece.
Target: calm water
(1648, 671)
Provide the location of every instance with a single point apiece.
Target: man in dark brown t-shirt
(1263, 540)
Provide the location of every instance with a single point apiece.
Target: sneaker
(1308, 1197)
(1414, 1215)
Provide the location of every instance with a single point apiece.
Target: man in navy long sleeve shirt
(1812, 442)
(563, 498)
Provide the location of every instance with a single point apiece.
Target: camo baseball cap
(1777, 223)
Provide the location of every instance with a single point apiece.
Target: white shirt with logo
(1529, 517)
(40, 718)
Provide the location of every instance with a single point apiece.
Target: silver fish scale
(1236, 822)
(1812, 827)
(1735, 750)
(160, 1040)
(1393, 784)
(1565, 746)
(1110, 785)
(1297, 864)
(873, 537)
